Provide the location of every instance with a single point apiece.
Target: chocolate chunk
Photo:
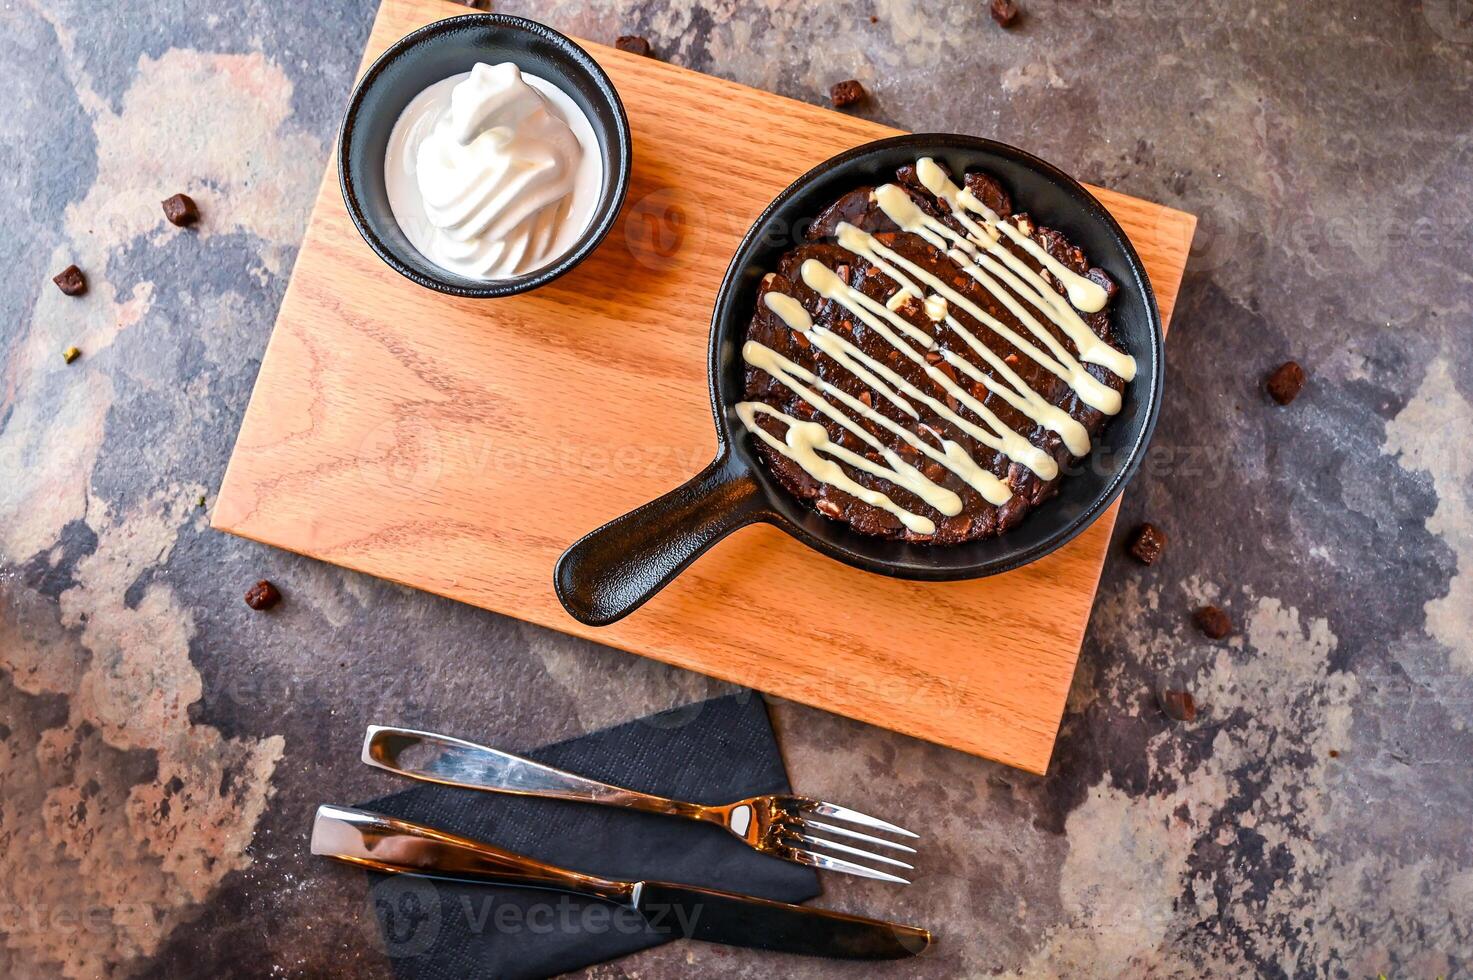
(845, 93)
(1285, 384)
(1213, 622)
(475, 4)
(854, 207)
(1005, 12)
(1148, 543)
(1179, 705)
(262, 595)
(180, 210)
(1102, 279)
(987, 190)
(70, 281)
(634, 44)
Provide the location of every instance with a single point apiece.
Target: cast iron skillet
(612, 571)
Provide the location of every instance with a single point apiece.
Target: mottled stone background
(162, 748)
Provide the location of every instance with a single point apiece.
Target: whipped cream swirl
(494, 173)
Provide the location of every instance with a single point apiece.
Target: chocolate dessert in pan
(929, 362)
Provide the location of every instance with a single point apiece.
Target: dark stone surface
(162, 747)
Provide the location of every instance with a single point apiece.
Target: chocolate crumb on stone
(1286, 382)
(262, 595)
(475, 4)
(634, 44)
(1005, 12)
(1213, 622)
(180, 210)
(1148, 543)
(70, 281)
(1179, 705)
(846, 92)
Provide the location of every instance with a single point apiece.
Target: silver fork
(780, 825)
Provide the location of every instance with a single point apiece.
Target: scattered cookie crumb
(1287, 381)
(1004, 12)
(70, 354)
(1147, 544)
(846, 93)
(1179, 705)
(70, 281)
(634, 44)
(262, 595)
(201, 501)
(180, 210)
(1213, 622)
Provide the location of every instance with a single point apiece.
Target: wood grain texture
(460, 446)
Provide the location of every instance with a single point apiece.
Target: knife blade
(742, 920)
(388, 844)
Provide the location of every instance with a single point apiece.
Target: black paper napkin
(713, 751)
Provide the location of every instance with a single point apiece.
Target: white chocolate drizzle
(952, 456)
(1084, 293)
(1091, 390)
(1028, 294)
(946, 501)
(824, 281)
(802, 445)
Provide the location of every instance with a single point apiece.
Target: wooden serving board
(459, 446)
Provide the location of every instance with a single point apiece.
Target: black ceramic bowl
(432, 54)
(613, 570)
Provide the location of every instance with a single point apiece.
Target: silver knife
(387, 844)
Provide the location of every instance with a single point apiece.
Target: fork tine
(827, 863)
(855, 835)
(854, 816)
(846, 849)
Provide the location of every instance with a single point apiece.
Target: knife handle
(387, 844)
(456, 762)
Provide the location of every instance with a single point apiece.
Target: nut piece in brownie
(926, 365)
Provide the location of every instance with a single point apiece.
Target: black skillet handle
(610, 572)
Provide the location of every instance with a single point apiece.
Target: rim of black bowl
(619, 169)
(921, 570)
